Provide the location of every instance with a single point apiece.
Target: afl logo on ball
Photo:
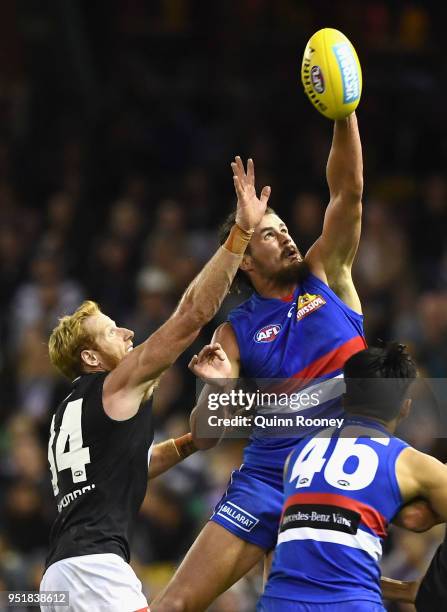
(317, 79)
(267, 333)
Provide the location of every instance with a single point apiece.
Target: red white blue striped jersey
(308, 335)
(340, 494)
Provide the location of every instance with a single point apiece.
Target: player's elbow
(349, 200)
(356, 189)
(168, 604)
(351, 191)
(354, 184)
(349, 188)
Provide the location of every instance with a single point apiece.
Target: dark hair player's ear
(405, 409)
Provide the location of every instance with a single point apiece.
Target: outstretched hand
(211, 365)
(250, 208)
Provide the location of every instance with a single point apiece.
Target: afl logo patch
(317, 79)
(267, 333)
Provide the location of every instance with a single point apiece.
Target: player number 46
(311, 460)
(77, 457)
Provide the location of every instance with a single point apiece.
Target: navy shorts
(277, 604)
(251, 506)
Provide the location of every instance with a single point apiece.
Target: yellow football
(331, 74)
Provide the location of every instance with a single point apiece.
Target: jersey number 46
(312, 460)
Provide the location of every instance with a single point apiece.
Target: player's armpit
(398, 590)
(335, 273)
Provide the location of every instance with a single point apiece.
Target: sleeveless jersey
(307, 336)
(340, 492)
(99, 470)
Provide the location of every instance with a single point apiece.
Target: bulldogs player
(102, 432)
(303, 321)
(343, 487)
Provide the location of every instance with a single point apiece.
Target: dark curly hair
(377, 380)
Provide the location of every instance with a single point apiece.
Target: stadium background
(118, 121)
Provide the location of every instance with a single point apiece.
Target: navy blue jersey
(99, 470)
(307, 336)
(340, 492)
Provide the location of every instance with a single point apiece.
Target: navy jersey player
(343, 487)
(303, 320)
(101, 433)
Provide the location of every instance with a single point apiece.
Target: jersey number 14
(77, 457)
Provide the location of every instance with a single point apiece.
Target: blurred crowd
(117, 127)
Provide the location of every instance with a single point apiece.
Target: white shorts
(96, 583)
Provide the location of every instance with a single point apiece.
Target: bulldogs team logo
(268, 333)
(317, 79)
(307, 304)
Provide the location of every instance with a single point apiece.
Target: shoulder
(417, 472)
(226, 337)
(87, 384)
(409, 459)
(244, 309)
(414, 458)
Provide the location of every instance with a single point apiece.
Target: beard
(294, 273)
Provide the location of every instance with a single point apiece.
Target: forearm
(417, 516)
(397, 590)
(203, 297)
(345, 164)
(167, 454)
(198, 421)
(201, 442)
(199, 304)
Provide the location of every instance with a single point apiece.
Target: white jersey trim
(361, 540)
(149, 453)
(327, 389)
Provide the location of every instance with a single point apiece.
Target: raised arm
(332, 255)
(126, 385)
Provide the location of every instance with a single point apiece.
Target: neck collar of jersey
(286, 298)
(366, 421)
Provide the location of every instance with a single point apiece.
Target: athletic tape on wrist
(185, 446)
(238, 239)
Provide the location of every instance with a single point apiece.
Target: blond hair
(70, 338)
